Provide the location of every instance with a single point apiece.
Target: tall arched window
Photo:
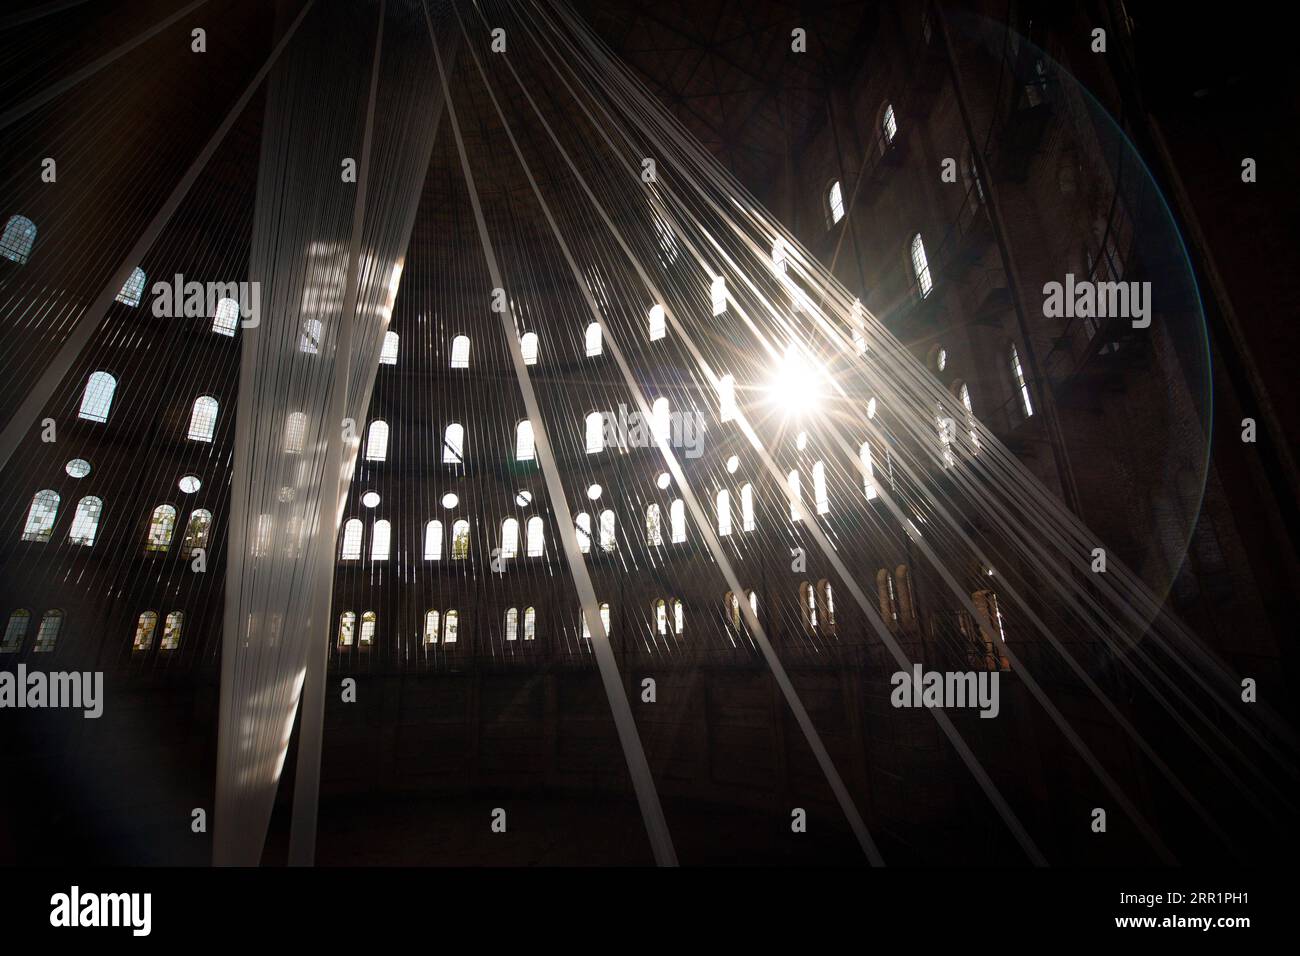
(352, 531)
(41, 515)
(654, 534)
(1018, 374)
(904, 596)
(85, 521)
(888, 126)
(677, 520)
(97, 398)
(347, 628)
(433, 540)
(661, 616)
(524, 449)
(48, 632)
(868, 473)
(460, 540)
(162, 525)
(203, 418)
(604, 620)
(593, 340)
(133, 289)
(171, 638)
(453, 444)
(381, 536)
(309, 341)
(834, 204)
(921, 266)
(451, 627)
(821, 497)
(944, 428)
(16, 631)
(963, 392)
(731, 609)
(226, 321)
(529, 346)
(718, 294)
(18, 238)
(369, 621)
(196, 531)
(530, 624)
(826, 603)
(145, 625)
(658, 323)
(509, 538)
(432, 623)
(595, 433)
(388, 354)
(608, 539)
(679, 618)
(661, 419)
(808, 605)
(377, 441)
(747, 507)
(536, 537)
(885, 594)
(727, 398)
(460, 352)
(512, 624)
(796, 496)
(723, 502)
(295, 433)
(582, 528)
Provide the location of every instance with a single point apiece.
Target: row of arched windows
(44, 511)
(146, 628)
(97, 402)
(20, 622)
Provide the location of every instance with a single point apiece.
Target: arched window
(133, 289)
(433, 540)
(677, 520)
(944, 427)
(727, 398)
(921, 266)
(380, 540)
(826, 603)
(963, 392)
(460, 540)
(388, 354)
(888, 126)
(460, 352)
(196, 531)
(512, 624)
(536, 537)
(753, 603)
(48, 632)
(593, 340)
(18, 239)
(868, 473)
(731, 609)
(41, 515)
(295, 433)
(679, 618)
(97, 398)
(582, 528)
(747, 507)
(886, 596)
(432, 622)
(608, 540)
(451, 627)
(309, 341)
(820, 495)
(530, 624)
(352, 531)
(347, 628)
(369, 621)
(226, 321)
(16, 630)
(718, 294)
(509, 538)
(524, 449)
(723, 502)
(834, 204)
(171, 638)
(604, 620)
(453, 444)
(808, 605)
(203, 418)
(654, 534)
(1018, 374)
(85, 521)
(595, 433)
(661, 419)
(377, 441)
(904, 596)
(145, 625)
(528, 345)
(661, 617)
(658, 323)
(796, 496)
(162, 525)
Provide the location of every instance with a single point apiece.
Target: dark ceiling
(726, 71)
